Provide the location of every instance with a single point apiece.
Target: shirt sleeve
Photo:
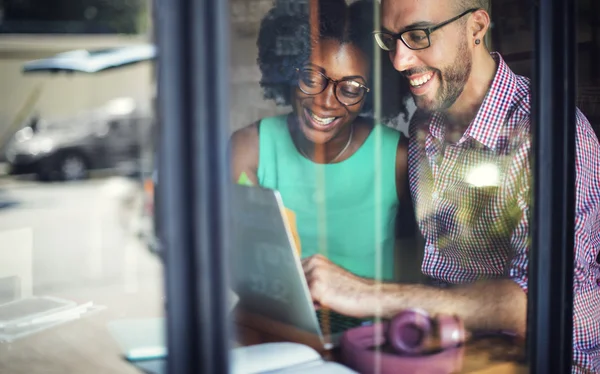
(520, 178)
(586, 277)
(586, 281)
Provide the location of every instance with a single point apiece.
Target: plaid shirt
(472, 201)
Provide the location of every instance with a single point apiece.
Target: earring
(477, 41)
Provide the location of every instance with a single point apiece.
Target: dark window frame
(550, 299)
(192, 105)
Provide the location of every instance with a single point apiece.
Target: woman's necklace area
(339, 154)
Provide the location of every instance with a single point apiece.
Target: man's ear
(479, 25)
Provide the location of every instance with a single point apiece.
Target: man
(470, 177)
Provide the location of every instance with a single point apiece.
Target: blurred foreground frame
(193, 111)
(551, 257)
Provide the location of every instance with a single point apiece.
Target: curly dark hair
(284, 44)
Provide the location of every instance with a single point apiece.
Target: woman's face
(321, 117)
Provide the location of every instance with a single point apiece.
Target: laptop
(266, 276)
(265, 269)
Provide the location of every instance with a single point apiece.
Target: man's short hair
(463, 5)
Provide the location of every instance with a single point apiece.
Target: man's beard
(452, 82)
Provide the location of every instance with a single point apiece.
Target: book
(282, 358)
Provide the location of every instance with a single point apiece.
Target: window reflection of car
(91, 62)
(110, 137)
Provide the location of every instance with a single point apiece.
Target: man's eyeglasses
(414, 39)
(347, 91)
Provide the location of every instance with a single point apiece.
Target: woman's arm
(244, 159)
(402, 169)
(244, 153)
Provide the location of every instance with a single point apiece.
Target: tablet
(140, 338)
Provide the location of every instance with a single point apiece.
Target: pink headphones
(411, 342)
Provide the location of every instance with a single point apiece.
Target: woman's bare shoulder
(246, 136)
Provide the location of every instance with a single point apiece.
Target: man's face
(438, 74)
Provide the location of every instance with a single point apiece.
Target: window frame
(193, 110)
(551, 256)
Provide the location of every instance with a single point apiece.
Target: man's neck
(464, 110)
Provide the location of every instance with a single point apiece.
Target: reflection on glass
(320, 155)
(75, 144)
(466, 164)
(80, 279)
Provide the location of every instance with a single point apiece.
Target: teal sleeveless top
(345, 211)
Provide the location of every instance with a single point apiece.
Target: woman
(340, 174)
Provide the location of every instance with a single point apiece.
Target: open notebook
(271, 358)
(282, 358)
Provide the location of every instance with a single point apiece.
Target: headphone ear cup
(452, 331)
(409, 331)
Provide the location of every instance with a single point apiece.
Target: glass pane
(513, 36)
(405, 215)
(412, 208)
(80, 276)
(587, 254)
(588, 99)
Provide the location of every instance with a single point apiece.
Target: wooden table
(86, 346)
(486, 355)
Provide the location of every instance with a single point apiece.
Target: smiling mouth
(421, 81)
(319, 121)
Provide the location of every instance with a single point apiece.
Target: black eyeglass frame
(428, 31)
(335, 85)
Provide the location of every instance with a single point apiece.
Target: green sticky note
(244, 180)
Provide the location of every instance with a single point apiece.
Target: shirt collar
(489, 121)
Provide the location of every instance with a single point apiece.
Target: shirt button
(435, 195)
(598, 282)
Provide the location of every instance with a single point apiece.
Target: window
(186, 181)
(74, 17)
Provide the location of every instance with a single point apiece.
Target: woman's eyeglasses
(414, 39)
(347, 91)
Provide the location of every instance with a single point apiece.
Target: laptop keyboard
(333, 323)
